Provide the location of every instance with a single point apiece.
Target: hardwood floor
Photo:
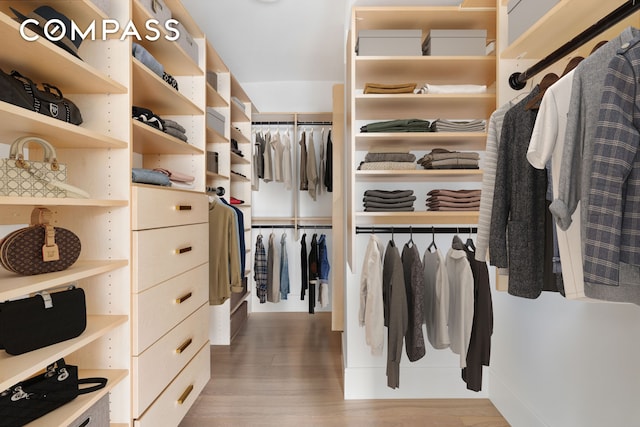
(285, 370)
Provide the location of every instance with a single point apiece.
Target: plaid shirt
(613, 214)
(260, 270)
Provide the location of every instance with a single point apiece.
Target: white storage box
(96, 416)
(389, 43)
(522, 14)
(158, 9)
(187, 43)
(215, 120)
(456, 43)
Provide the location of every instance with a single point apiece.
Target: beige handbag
(27, 178)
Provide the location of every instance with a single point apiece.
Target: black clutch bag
(41, 320)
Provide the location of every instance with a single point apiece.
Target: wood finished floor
(285, 370)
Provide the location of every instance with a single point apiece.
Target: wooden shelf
(214, 99)
(451, 107)
(238, 160)
(421, 175)
(421, 140)
(149, 140)
(18, 122)
(423, 217)
(14, 286)
(71, 411)
(18, 368)
(170, 54)
(66, 72)
(563, 22)
(237, 115)
(150, 91)
(239, 136)
(214, 61)
(241, 298)
(438, 70)
(215, 137)
(214, 175)
(68, 201)
(427, 18)
(238, 178)
(180, 13)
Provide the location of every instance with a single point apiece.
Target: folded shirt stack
(388, 161)
(408, 125)
(440, 158)
(444, 89)
(167, 126)
(143, 55)
(178, 179)
(453, 200)
(148, 176)
(175, 129)
(388, 201)
(389, 88)
(458, 126)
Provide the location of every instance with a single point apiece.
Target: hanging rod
(274, 123)
(518, 81)
(416, 230)
(315, 123)
(299, 226)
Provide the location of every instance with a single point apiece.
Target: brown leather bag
(39, 248)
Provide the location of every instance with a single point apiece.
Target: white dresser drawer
(161, 307)
(159, 364)
(166, 252)
(163, 207)
(175, 401)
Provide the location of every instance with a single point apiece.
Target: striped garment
(260, 270)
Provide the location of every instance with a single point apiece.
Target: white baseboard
(514, 410)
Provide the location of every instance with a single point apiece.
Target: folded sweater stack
(458, 126)
(440, 158)
(175, 129)
(388, 161)
(409, 125)
(453, 200)
(388, 201)
(167, 126)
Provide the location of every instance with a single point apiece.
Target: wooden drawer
(238, 318)
(175, 401)
(166, 252)
(159, 364)
(163, 207)
(160, 308)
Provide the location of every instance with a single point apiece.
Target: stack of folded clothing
(148, 176)
(388, 201)
(143, 55)
(410, 125)
(178, 179)
(389, 88)
(388, 161)
(443, 89)
(175, 129)
(453, 200)
(439, 158)
(458, 126)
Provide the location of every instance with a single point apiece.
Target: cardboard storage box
(522, 14)
(455, 43)
(187, 43)
(389, 43)
(215, 120)
(158, 9)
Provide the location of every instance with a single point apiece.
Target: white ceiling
(283, 40)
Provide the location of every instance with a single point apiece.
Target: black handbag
(19, 90)
(41, 394)
(44, 319)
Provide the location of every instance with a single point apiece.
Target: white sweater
(371, 314)
(460, 302)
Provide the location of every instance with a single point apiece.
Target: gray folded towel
(383, 200)
(173, 124)
(389, 194)
(388, 205)
(390, 157)
(176, 133)
(389, 209)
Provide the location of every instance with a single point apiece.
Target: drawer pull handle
(184, 346)
(183, 298)
(183, 207)
(184, 250)
(185, 395)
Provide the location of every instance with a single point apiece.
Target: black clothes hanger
(410, 242)
(432, 247)
(469, 243)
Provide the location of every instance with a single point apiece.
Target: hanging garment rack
(292, 226)
(291, 123)
(416, 230)
(518, 81)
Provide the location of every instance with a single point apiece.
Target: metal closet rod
(299, 226)
(518, 81)
(293, 123)
(416, 230)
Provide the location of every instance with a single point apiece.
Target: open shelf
(214, 61)
(150, 91)
(451, 107)
(238, 160)
(18, 368)
(68, 201)
(17, 121)
(214, 136)
(214, 175)
(237, 114)
(149, 140)
(422, 140)
(421, 175)
(239, 136)
(423, 217)
(238, 178)
(214, 99)
(14, 286)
